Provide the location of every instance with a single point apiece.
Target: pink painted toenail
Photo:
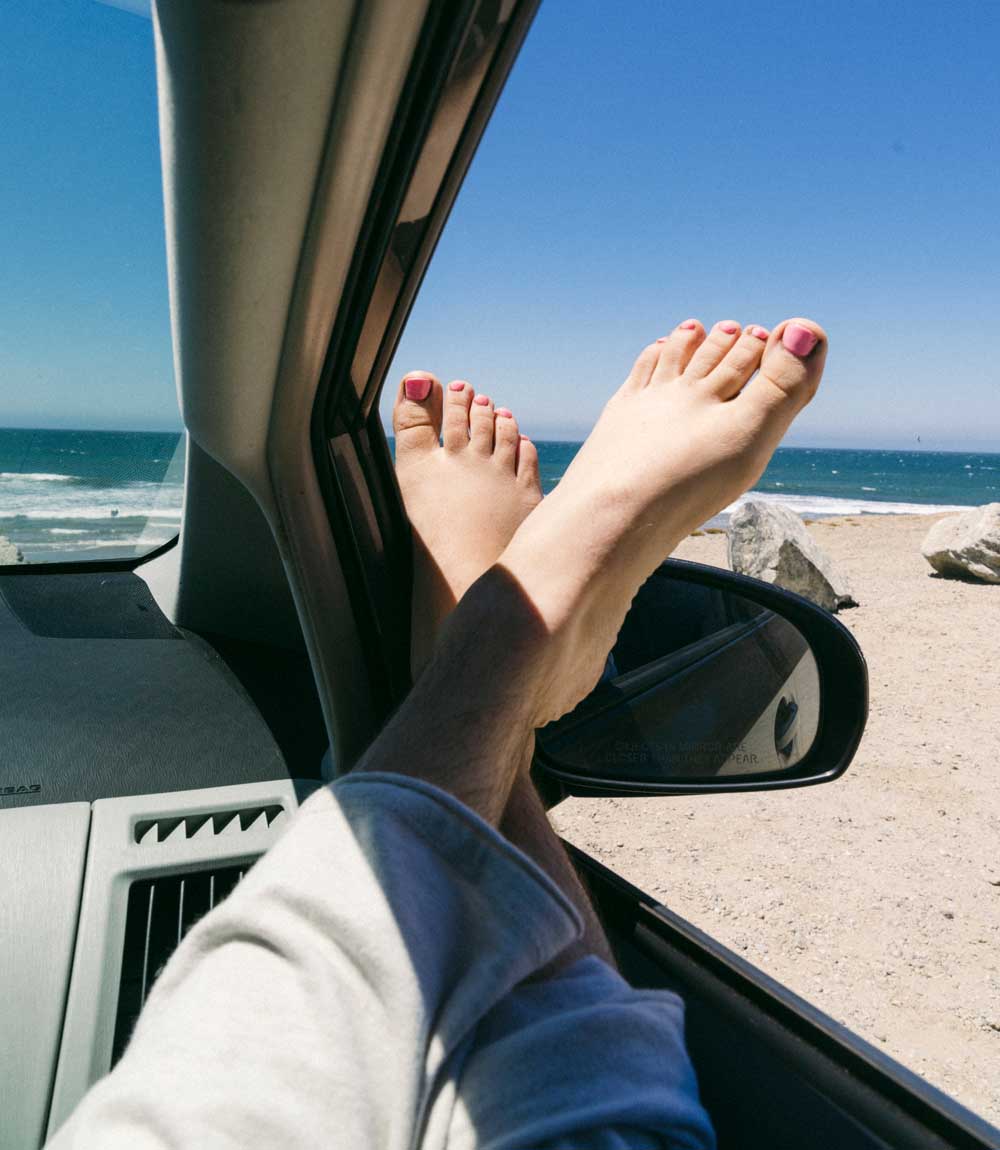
(504, 411)
(729, 327)
(457, 385)
(482, 400)
(689, 325)
(799, 340)
(417, 387)
(758, 331)
(662, 339)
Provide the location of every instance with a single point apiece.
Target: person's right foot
(687, 433)
(468, 480)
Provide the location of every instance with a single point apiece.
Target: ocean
(821, 482)
(89, 494)
(97, 494)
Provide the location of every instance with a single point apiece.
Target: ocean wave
(82, 500)
(829, 505)
(125, 514)
(38, 476)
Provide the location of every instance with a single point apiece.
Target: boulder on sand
(9, 553)
(966, 546)
(768, 541)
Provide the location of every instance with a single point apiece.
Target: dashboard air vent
(160, 913)
(207, 824)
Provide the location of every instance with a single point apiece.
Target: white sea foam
(36, 497)
(828, 505)
(36, 476)
(169, 514)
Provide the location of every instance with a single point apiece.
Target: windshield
(91, 452)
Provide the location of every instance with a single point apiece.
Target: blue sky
(648, 161)
(84, 320)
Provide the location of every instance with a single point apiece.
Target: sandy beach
(876, 897)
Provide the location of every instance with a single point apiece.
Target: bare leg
(466, 498)
(689, 430)
(527, 825)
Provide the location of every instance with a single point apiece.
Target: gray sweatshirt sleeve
(584, 1061)
(338, 996)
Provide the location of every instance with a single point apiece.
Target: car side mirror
(717, 682)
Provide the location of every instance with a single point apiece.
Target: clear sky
(648, 161)
(84, 319)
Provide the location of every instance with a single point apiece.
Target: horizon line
(174, 430)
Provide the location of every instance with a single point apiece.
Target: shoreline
(821, 508)
(45, 549)
(833, 519)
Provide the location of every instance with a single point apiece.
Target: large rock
(9, 553)
(768, 541)
(966, 546)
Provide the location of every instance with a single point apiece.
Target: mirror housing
(756, 688)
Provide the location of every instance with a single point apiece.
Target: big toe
(791, 368)
(416, 416)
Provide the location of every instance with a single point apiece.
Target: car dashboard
(139, 778)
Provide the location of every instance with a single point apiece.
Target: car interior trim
(114, 861)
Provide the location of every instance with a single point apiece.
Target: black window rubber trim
(880, 1094)
(347, 409)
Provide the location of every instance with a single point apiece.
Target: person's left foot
(468, 480)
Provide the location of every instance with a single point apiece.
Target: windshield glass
(91, 452)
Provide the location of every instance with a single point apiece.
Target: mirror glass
(701, 684)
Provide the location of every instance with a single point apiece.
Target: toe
(455, 423)
(527, 465)
(675, 350)
(713, 349)
(738, 364)
(643, 368)
(790, 370)
(505, 438)
(481, 425)
(416, 416)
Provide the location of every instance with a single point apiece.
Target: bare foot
(465, 498)
(692, 428)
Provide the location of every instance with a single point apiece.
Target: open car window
(645, 165)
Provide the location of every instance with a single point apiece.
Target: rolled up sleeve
(363, 986)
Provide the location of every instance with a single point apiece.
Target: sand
(876, 897)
